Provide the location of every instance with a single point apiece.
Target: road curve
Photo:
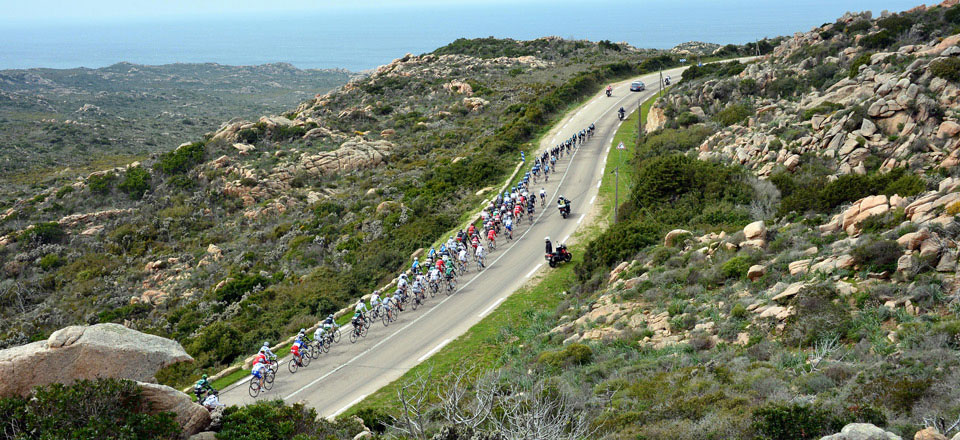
(349, 372)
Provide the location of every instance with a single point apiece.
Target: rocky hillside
(58, 123)
(785, 266)
(282, 219)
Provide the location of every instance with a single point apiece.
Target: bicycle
(359, 332)
(418, 298)
(451, 285)
(387, 317)
(491, 244)
(434, 288)
(265, 382)
(297, 362)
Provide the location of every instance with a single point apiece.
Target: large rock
(672, 236)
(86, 352)
(756, 271)
(862, 431)
(192, 418)
(350, 156)
(929, 434)
(755, 230)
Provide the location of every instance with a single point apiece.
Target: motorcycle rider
(621, 113)
(609, 90)
(203, 385)
(549, 245)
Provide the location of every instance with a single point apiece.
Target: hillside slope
(785, 264)
(56, 123)
(265, 225)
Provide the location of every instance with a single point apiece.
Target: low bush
(861, 60)
(136, 182)
(947, 68)
(181, 160)
(50, 261)
(44, 233)
(733, 114)
(792, 422)
(878, 40)
(736, 267)
(573, 354)
(101, 183)
(86, 410)
(824, 108)
(877, 255)
(235, 289)
(818, 316)
(276, 420)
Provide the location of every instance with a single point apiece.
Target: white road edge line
(435, 349)
(566, 238)
(599, 182)
(341, 410)
(580, 219)
(533, 270)
(492, 306)
(593, 198)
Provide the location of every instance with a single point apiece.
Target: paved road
(350, 372)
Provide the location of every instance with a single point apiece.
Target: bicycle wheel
(415, 302)
(305, 360)
(364, 331)
(336, 335)
(451, 286)
(324, 346)
(274, 366)
(268, 380)
(292, 364)
(354, 335)
(254, 388)
(385, 318)
(314, 350)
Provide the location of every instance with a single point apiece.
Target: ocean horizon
(363, 38)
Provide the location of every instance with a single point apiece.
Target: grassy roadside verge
(488, 344)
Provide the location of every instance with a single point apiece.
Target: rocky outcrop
(191, 417)
(86, 352)
(656, 119)
(350, 156)
(862, 431)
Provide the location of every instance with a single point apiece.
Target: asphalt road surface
(349, 372)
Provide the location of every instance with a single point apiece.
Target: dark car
(637, 86)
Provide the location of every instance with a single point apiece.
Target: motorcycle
(609, 93)
(560, 255)
(564, 210)
(666, 81)
(621, 114)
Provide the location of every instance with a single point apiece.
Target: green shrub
(86, 410)
(50, 261)
(895, 24)
(217, 344)
(878, 40)
(861, 60)
(739, 312)
(276, 420)
(180, 160)
(235, 289)
(877, 255)
(792, 422)
(44, 233)
(947, 68)
(375, 419)
(101, 184)
(64, 191)
(736, 267)
(818, 316)
(573, 354)
(733, 114)
(824, 108)
(687, 118)
(882, 222)
(136, 182)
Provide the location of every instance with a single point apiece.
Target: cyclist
(318, 333)
(358, 320)
(492, 237)
(295, 348)
(203, 385)
(448, 274)
(360, 309)
(415, 267)
(266, 350)
(462, 255)
(259, 365)
(329, 323)
(397, 300)
(212, 401)
(479, 254)
(434, 275)
(375, 299)
(416, 288)
(432, 254)
(402, 282)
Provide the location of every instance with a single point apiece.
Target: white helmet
(266, 344)
(546, 239)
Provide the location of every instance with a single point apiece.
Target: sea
(365, 36)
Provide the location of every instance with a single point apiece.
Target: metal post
(616, 193)
(661, 82)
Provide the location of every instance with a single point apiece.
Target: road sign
(683, 60)
(621, 147)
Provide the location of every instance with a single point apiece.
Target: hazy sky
(25, 11)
